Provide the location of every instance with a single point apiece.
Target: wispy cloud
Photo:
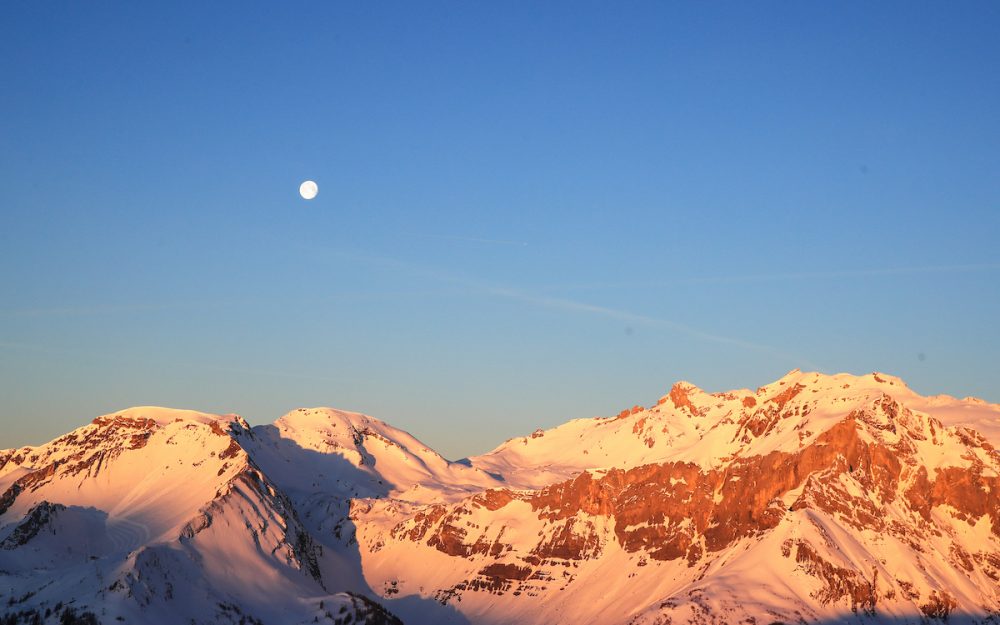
(13, 345)
(447, 237)
(569, 305)
(784, 276)
(646, 320)
(101, 356)
(84, 310)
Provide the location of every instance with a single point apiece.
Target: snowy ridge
(352, 454)
(159, 515)
(691, 425)
(843, 498)
(831, 493)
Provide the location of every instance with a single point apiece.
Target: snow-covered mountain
(158, 515)
(813, 499)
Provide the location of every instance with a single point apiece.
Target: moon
(308, 189)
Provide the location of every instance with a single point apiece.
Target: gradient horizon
(527, 213)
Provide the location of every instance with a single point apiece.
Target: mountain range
(814, 499)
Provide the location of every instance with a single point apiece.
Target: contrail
(568, 305)
(624, 315)
(776, 277)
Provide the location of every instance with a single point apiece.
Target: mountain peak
(320, 418)
(684, 385)
(681, 393)
(794, 373)
(163, 416)
(353, 453)
(836, 494)
(891, 380)
(838, 382)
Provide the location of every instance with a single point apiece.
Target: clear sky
(528, 211)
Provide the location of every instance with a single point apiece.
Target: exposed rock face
(163, 519)
(812, 499)
(908, 499)
(81, 453)
(29, 527)
(839, 584)
(681, 400)
(363, 610)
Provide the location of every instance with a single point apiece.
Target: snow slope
(354, 455)
(153, 515)
(815, 498)
(691, 425)
(841, 497)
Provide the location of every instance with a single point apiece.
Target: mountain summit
(816, 498)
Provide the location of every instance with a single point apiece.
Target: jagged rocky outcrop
(838, 501)
(812, 499)
(37, 518)
(162, 516)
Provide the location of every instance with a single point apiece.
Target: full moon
(308, 189)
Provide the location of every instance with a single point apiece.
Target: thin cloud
(447, 237)
(87, 311)
(81, 311)
(630, 317)
(30, 347)
(272, 373)
(569, 305)
(777, 277)
(101, 356)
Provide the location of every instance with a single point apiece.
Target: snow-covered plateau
(814, 499)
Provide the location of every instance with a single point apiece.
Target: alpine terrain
(813, 499)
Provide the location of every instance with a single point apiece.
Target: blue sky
(528, 212)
